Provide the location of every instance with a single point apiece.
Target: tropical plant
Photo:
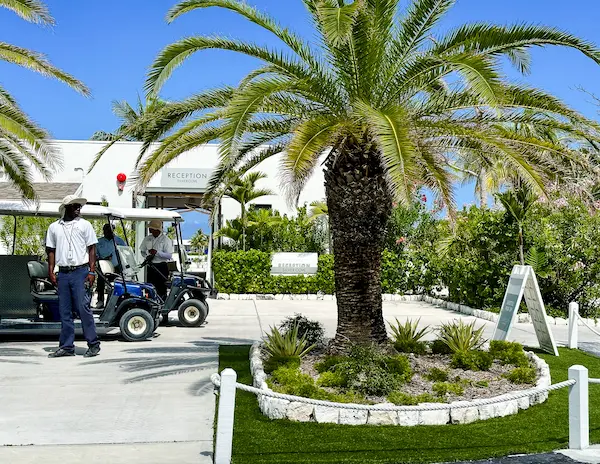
(538, 260)
(407, 337)
(312, 331)
(518, 203)
(244, 190)
(286, 344)
(24, 146)
(30, 235)
(460, 336)
(318, 209)
(382, 107)
(199, 241)
(135, 124)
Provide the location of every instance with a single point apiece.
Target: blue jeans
(74, 297)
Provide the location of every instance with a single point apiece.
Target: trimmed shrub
(472, 360)
(509, 353)
(332, 379)
(436, 374)
(329, 362)
(275, 362)
(312, 331)
(443, 389)
(439, 347)
(522, 375)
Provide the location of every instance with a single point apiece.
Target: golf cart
(132, 307)
(188, 293)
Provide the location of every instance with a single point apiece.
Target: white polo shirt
(163, 246)
(71, 240)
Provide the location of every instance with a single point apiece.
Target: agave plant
(409, 331)
(461, 337)
(287, 344)
(407, 336)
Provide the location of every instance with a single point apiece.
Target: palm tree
(518, 203)
(25, 146)
(244, 190)
(379, 102)
(233, 231)
(135, 124)
(319, 211)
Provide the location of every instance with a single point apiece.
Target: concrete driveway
(150, 402)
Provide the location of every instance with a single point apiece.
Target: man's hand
(152, 252)
(90, 280)
(52, 277)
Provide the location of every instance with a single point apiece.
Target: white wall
(121, 158)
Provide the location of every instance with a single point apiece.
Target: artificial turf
(541, 428)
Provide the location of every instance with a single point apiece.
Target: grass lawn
(541, 428)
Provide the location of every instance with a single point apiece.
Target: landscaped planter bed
(341, 414)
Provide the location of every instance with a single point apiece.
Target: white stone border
(479, 313)
(275, 408)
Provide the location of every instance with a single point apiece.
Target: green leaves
(461, 337)
(337, 21)
(30, 10)
(287, 344)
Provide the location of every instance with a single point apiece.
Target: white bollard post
(579, 419)
(224, 441)
(573, 321)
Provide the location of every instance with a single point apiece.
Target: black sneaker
(92, 351)
(61, 352)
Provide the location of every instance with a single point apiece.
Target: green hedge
(250, 272)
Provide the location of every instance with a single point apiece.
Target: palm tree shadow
(11, 352)
(151, 363)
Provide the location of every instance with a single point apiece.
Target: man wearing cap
(160, 247)
(71, 244)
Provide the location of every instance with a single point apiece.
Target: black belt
(67, 269)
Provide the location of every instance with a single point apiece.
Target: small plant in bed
(312, 331)
(509, 353)
(436, 374)
(408, 338)
(522, 375)
(443, 389)
(474, 360)
(404, 399)
(284, 349)
(459, 336)
(371, 372)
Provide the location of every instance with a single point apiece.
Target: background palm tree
(135, 123)
(24, 146)
(383, 108)
(244, 190)
(518, 203)
(319, 212)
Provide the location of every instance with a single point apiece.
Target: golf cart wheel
(136, 325)
(192, 313)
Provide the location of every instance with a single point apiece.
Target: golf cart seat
(41, 287)
(107, 269)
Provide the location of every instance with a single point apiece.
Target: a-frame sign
(523, 283)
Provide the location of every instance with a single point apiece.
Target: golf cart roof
(20, 208)
(147, 214)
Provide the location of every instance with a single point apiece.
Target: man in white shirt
(160, 247)
(71, 245)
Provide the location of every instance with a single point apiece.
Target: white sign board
(184, 178)
(294, 263)
(523, 283)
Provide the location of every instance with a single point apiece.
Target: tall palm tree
(319, 211)
(379, 101)
(517, 203)
(135, 123)
(24, 146)
(244, 190)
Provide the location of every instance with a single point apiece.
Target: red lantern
(121, 177)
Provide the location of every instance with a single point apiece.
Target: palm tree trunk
(521, 246)
(482, 190)
(359, 206)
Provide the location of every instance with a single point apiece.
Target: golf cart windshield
(130, 264)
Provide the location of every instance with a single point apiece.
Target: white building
(180, 185)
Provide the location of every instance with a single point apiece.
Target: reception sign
(294, 263)
(185, 178)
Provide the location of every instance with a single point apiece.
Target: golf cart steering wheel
(147, 260)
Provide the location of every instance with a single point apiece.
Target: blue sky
(110, 45)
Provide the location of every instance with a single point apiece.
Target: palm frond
(33, 11)
(37, 62)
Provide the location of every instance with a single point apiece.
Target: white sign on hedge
(294, 263)
(523, 283)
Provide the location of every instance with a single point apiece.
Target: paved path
(150, 402)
